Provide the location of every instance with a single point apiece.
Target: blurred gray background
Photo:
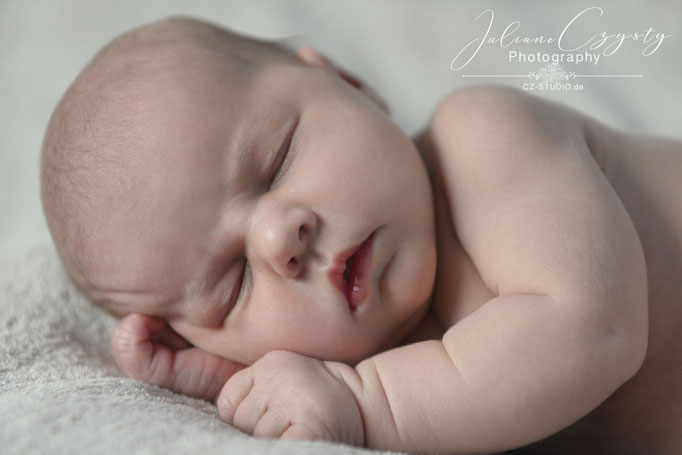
(402, 48)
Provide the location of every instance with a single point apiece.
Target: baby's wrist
(352, 380)
(379, 426)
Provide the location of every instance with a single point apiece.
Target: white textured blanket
(61, 391)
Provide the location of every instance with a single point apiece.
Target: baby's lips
(336, 276)
(336, 272)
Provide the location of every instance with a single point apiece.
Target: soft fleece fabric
(61, 391)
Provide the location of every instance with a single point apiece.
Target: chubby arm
(552, 239)
(517, 370)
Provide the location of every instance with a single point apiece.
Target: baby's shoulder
(501, 132)
(490, 114)
(516, 174)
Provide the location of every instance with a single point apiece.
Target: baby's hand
(148, 350)
(290, 396)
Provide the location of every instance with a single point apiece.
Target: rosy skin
(336, 186)
(290, 236)
(553, 332)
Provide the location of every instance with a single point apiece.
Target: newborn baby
(274, 242)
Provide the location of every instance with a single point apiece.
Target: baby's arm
(551, 238)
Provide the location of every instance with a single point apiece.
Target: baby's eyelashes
(283, 158)
(237, 294)
(245, 283)
(207, 312)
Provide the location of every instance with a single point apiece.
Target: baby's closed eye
(283, 158)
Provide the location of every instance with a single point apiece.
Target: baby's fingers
(249, 411)
(298, 431)
(145, 348)
(233, 395)
(272, 425)
(138, 354)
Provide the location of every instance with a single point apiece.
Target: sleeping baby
(272, 241)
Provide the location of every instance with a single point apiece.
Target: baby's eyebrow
(204, 302)
(195, 289)
(193, 295)
(239, 147)
(134, 300)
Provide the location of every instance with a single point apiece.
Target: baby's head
(216, 181)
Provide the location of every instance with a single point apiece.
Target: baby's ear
(310, 56)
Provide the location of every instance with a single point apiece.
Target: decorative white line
(608, 75)
(494, 75)
(577, 75)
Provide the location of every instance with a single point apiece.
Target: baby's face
(246, 195)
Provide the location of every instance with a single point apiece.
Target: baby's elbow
(632, 321)
(636, 339)
(626, 352)
(627, 333)
(616, 302)
(611, 330)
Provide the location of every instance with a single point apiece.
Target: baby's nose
(291, 263)
(286, 239)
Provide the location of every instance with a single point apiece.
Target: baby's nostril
(292, 262)
(301, 231)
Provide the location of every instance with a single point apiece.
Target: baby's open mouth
(351, 275)
(349, 264)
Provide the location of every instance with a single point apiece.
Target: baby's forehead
(169, 105)
(201, 74)
(182, 85)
